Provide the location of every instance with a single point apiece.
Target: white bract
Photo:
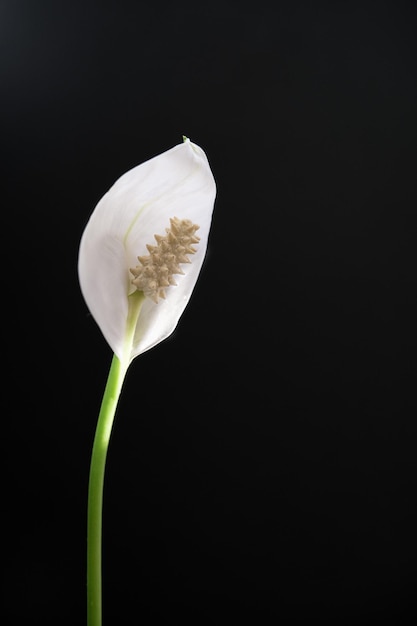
(174, 188)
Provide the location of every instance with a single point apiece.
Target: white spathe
(177, 183)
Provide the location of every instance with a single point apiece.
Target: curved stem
(95, 490)
(108, 408)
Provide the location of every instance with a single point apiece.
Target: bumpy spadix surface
(173, 190)
(156, 270)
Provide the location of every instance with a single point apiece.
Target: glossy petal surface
(178, 183)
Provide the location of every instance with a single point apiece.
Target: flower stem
(95, 490)
(108, 408)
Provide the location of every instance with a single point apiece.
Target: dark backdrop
(263, 461)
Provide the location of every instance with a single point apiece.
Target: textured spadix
(131, 221)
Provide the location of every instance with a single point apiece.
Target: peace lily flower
(139, 259)
(129, 222)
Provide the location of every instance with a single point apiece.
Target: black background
(263, 460)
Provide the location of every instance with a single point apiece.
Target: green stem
(95, 490)
(108, 408)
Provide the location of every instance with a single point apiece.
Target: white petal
(177, 183)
